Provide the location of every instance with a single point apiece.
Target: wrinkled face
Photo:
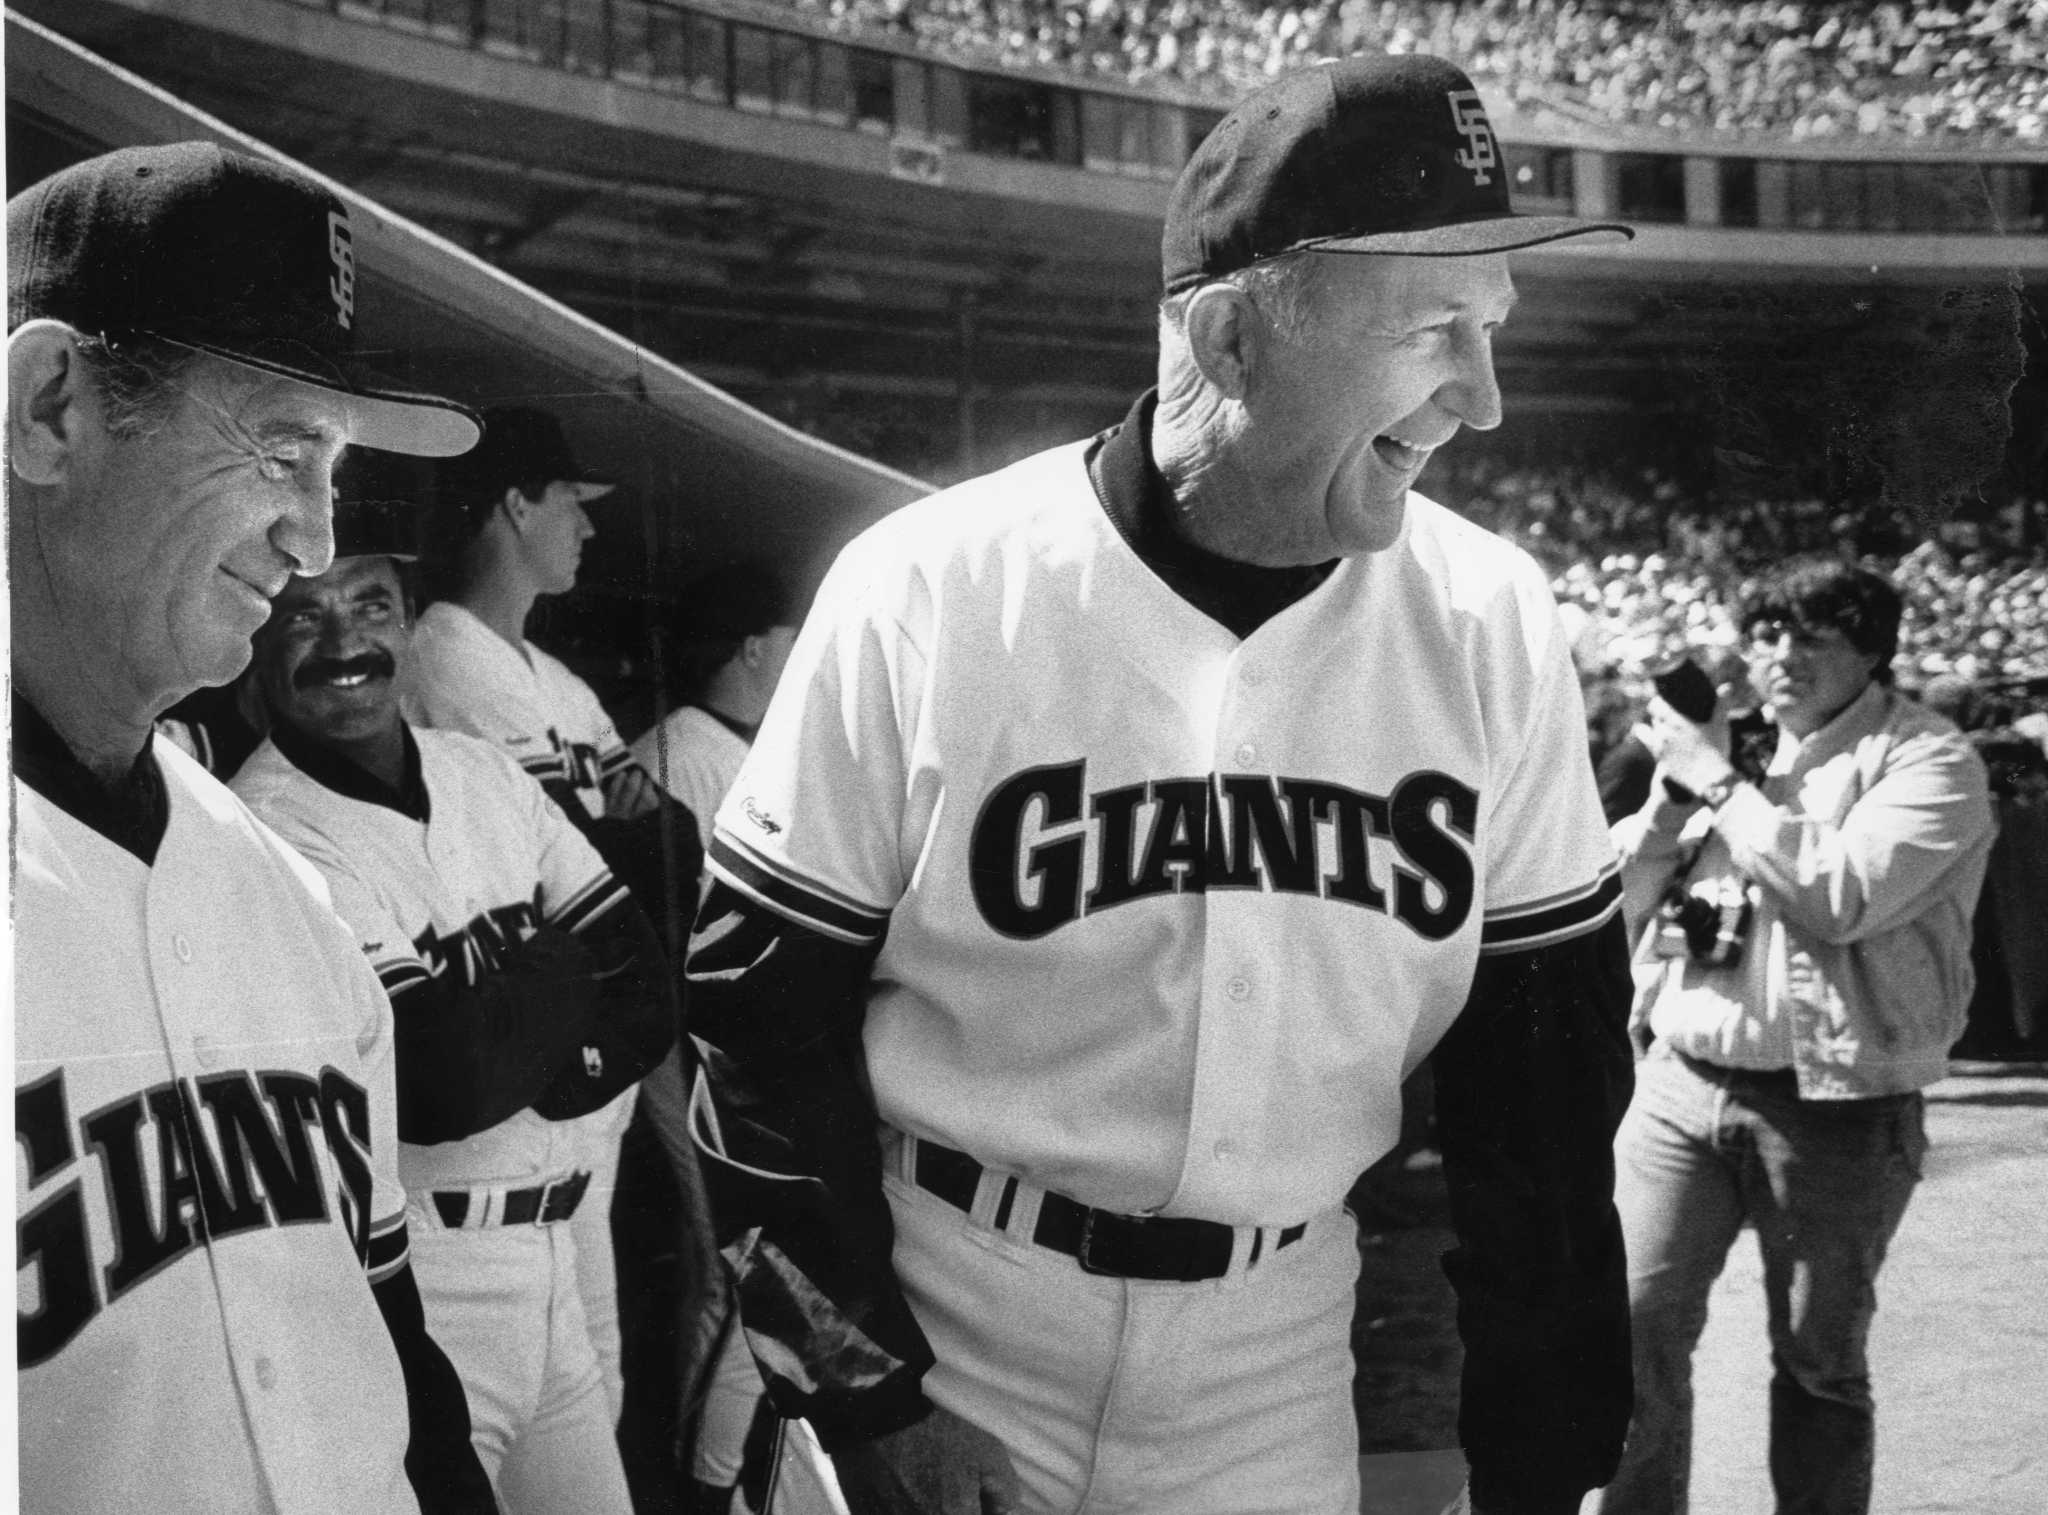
(175, 539)
(1809, 674)
(1343, 416)
(554, 531)
(327, 661)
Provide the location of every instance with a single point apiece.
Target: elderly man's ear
(1225, 331)
(48, 401)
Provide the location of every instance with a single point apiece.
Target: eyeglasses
(1769, 634)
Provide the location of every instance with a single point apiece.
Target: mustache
(376, 663)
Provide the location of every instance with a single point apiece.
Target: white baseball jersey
(694, 756)
(1168, 914)
(462, 676)
(206, 1167)
(495, 859)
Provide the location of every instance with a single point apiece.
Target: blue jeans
(1701, 1150)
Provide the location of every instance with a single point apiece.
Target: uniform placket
(1234, 991)
(180, 955)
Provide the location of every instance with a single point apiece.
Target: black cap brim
(389, 420)
(1464, 239)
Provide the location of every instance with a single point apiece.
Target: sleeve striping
(616, 759)
(390, 1248)
(400, 974)
(1543, 923)
(802, 902)
(589, 903)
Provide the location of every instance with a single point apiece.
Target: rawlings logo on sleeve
(759, 817)
(174, 1167)
(1036, 864)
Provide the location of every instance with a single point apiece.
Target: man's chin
(1373, 526)
(333, 717)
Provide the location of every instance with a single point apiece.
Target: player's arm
(471, 1054)
(795, 1171)
(1531, 1083)
(440, 1460)
(635, 1011)
(1532, 1080)
(629, 789)
(659, 858)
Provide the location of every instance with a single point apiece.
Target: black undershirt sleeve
(795, 1171)
(1531, 1084)
(440, 1461)
(471, 1055)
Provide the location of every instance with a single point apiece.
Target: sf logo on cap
(341, 252)
(1480, 155)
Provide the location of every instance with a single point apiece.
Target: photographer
(1803, 966)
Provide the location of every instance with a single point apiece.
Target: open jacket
(1862, 853)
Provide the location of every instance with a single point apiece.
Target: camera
(1687, 689)
(1694, 924)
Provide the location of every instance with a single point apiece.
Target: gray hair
(1283, 288)
(138, 379)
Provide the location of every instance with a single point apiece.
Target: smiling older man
(215, 1305)
(1126, 826)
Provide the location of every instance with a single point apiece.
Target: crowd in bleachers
(1948, 68)
(1657, 568)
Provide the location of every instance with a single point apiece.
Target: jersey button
(266, 1372)
(1247, 754)
(207, 1050)
(1239, 988)
(1226, 1150)
(182, 947)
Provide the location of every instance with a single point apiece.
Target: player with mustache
(526, 990)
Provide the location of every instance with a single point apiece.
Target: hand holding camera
(1687, 731)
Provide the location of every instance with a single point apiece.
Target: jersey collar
(351, 780)
(132, 814)
(1139, 502)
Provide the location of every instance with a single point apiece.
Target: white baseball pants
(600, 1135)
(1129, 1397)
(502, 1301)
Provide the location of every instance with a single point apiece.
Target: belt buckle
(563, 1191)
(1083, 1249)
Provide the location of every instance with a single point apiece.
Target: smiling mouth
(1399, 455)
(352, 673)
(265, 595)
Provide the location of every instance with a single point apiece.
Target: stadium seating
(1968, 69)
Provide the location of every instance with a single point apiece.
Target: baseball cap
(1358, 155)
(523, 448)
(232, 255)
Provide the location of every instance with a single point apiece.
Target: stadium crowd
(1657, 568)
(1977, 68)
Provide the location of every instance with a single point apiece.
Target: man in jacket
(1804, 966)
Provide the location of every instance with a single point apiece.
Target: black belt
(542, 1205)
(1764, 1080)
(1101, 1241)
